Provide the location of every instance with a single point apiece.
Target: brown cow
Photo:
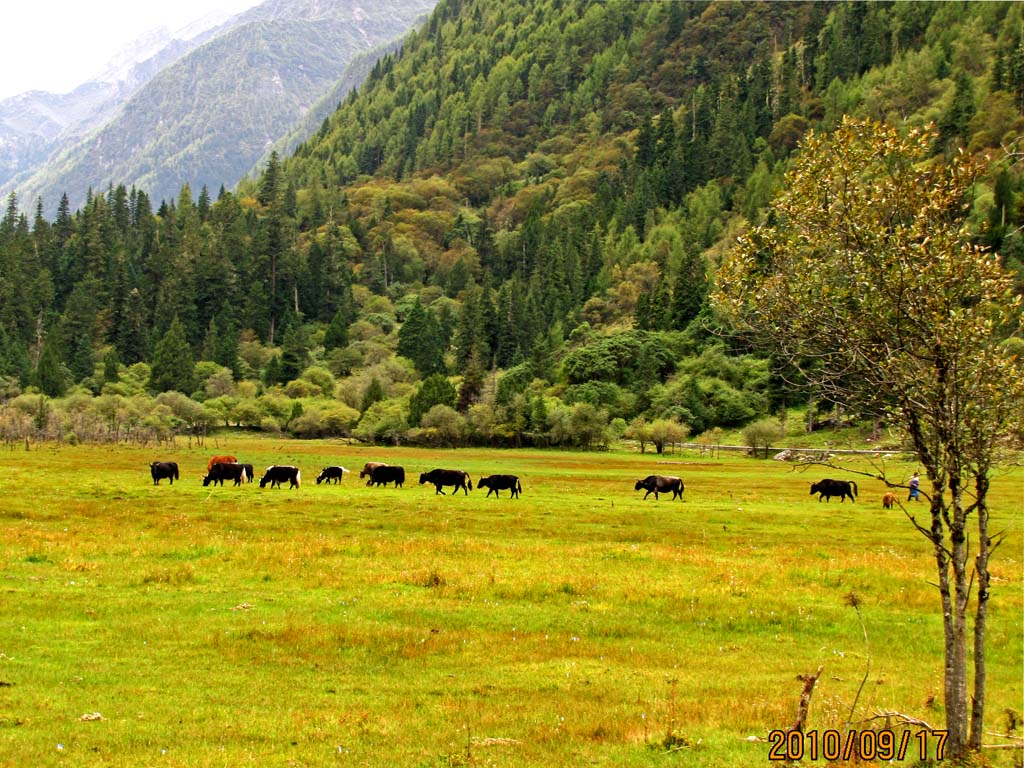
(888, 500)
(368, 468)
(221, 460)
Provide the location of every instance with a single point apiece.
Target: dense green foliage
(528, 198)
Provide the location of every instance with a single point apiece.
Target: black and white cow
(249, 472)
(660, 484)
(495, 483)
(220, 472)
(163, 469)
(278, 473)
(331, 473)
(442, 477)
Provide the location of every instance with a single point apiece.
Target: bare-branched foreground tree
(866, 281)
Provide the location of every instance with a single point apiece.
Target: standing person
(915, 488)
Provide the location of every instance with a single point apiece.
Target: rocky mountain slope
(208, 117)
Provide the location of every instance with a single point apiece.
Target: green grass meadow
(578, 625)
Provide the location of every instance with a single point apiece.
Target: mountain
(35, 124)
(208, 117)
(355, 74)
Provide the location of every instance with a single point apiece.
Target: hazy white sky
(55, 45)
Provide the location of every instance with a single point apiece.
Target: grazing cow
(660, 484)
(386, 473)
(248, 472)
(888, 500)
(220, 460)
(161, 469)
(828, 488)
(495, 483)
(331, 473)
(367, 471)
(220, 472)
(278, 473)
(442, 477)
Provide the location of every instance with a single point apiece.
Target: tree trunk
(954, 613)
(981, 613)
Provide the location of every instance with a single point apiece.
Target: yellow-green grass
(577, 625)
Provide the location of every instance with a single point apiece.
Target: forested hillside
(507, 235)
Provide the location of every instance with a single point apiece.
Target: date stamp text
(832, 745)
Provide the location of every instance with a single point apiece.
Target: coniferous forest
(506, 236)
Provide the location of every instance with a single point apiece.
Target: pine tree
(954, 123)
(204, 203)
(227, 348)
(420, 340)
(294, 351)
(270, 181)
(111, 363)
(272, 374)
(472, 383)
(690, 289)
(211, 342)
(49, 376)
(78, 329)
(373, 393)
(173, 365)
(336, 336)
(435, 390)
(132, 333)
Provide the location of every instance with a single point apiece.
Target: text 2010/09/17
(884, 744)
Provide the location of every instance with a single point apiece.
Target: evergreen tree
(955, 121)
(272, 374)
(690, 289)
(420, 340)
(49, 375)
(336, 336)
(173, 366)
(227, 348)
(132, 332)
(270, 181)
(294, 351)
(435, 390)
(78, 329)
(203, 206)
(211, 342)
(111, 363)
(472, 383)
(373, 393)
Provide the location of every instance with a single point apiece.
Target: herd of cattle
(221, 468)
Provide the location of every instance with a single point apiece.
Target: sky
(55, 45)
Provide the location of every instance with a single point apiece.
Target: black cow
(386, 473)
(278, 473)
(828, 488)
(220, 472)
(367, 470)
(442, 477)
(497, 483)
(660, 484)
(249, 472)
(331, 473)
(163, 469)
